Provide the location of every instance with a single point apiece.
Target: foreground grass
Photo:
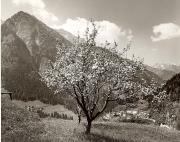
(130, 132)
(19, 125)
(71, 131)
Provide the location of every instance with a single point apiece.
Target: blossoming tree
(94, 75)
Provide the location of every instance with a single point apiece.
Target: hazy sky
(153, 26)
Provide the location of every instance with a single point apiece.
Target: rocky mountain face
(26, 45)
(67, 35)
(40, 39)
(15, 54)
(14, 50)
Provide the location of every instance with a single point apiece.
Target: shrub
(137, 120)
(55, 114)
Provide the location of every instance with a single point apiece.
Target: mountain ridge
(170, 67)
(162, 73)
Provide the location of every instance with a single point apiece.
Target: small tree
(94, 75)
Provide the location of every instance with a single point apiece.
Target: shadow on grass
(101, 138)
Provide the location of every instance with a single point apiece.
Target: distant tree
(172, 87)
(94, 75)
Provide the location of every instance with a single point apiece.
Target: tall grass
(19, 125)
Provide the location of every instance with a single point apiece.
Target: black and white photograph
(90, 70)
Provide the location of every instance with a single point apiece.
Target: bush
(137, 120)
(55, 114)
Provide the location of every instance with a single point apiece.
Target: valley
(52, 129)
(58, 79)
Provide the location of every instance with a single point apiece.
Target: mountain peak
(21, 12)
(22, 15)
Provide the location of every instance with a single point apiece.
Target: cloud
(106, 30)
(33, 3)
(154, 49)
(38, 8)
(45, 15)
(165, 31)
(130, 35)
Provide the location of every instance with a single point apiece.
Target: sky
(152, 26)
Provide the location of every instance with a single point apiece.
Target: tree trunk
(88, 127)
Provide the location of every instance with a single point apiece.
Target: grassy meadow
(20, 125)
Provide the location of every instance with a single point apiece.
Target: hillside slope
(172, 87)
(18, 124)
